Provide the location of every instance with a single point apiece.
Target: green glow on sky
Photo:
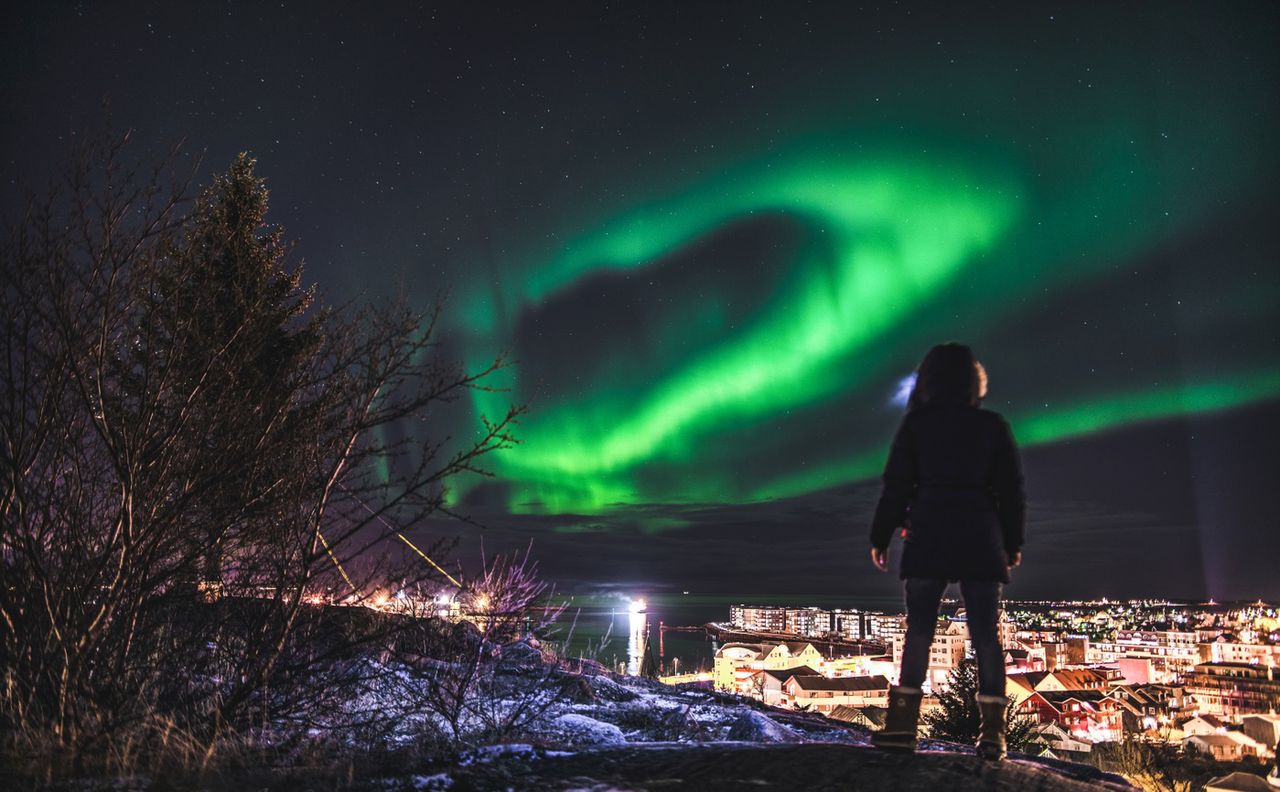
(1155, 403)
(1061, 423)
(902, 245)
(888, 234)
(892, 232)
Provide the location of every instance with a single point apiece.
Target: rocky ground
(573, 726)
(737, 765)
(627, 733)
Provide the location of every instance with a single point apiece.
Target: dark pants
(981, 604)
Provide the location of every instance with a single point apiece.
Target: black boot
(899, 732)
(991, 733)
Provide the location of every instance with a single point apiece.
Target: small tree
(174, 410)
(958, 718)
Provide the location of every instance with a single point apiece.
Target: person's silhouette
(953, 484)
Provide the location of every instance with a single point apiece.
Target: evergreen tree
(230, 319)
(957, 719)
(176, 411)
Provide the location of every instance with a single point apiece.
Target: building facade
(1233, 689)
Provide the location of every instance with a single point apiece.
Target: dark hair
(949, 374)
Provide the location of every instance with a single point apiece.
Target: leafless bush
(190, 445)
(500, 683)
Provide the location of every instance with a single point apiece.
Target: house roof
(1240, 782)
(1212, 720)
(793, 647)
(1028, 679)
(871, 716)
(1214, 739)
(847, 684)
(1045, 728)
(783, 674)
(1268, 718)
(1059, 697)
(1080, 678)
(1136, 695)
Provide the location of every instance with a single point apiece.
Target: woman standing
(953, 483)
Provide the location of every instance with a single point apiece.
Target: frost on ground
(541, 703)
(596, 730)
(576, 730)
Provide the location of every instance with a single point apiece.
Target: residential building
(1225, 650)
(872, 718)
(1006, 630)
(1089, 715)
(1220, 746)
(1148, 707)
(1060, 742)
(884, 626)
(759, 618)
(773, 680)
(1020, 659)
(1019, 686)
(820, 694)
(1078, 679)
(945, 653)
(851, 624)
(1263, 728)
(1170, 652)
(736, 663)
(1202, 724)
(808, 621)
(1233, 689)
(1055, 654)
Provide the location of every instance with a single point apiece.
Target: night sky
(716, 237)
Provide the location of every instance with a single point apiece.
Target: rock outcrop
(736, 766)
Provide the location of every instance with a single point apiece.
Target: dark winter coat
(954, 482)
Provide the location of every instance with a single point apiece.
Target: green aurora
(895, 233)
(905, 236)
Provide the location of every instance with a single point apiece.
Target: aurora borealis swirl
(827, 264)
(713, 239)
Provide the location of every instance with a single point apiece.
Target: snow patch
(581, 730)
(752, 726)
(488, 753)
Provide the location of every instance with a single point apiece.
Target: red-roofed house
(1085, 714)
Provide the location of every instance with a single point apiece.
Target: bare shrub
(192, 446)
(498, 682)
